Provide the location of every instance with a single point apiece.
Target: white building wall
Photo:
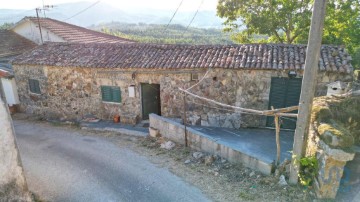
(31, 31)
(10, 91)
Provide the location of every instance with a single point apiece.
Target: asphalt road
(64, 165)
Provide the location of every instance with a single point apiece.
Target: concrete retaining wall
(200, 141)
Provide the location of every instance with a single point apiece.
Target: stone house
(11, 45)
(51, 30)
(68, 81)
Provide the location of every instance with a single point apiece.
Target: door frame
(142, 100)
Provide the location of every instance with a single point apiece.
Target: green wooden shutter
(284, 92)
(276, 99)
(31, 85)
(34, 86)
(116, 94)
(111, 93)
(37, 86)
(106, 93)
(292, 99)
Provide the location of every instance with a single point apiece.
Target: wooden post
(185, 133)
(278, 148)
(308, 87)
(277, 129)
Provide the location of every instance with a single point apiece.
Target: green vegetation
(309, 169)
(157, 33)
(6, 26)
(288, 21)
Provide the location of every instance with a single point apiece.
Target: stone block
(154, 132)
(329, 176)
(129, 119)
(331, 169)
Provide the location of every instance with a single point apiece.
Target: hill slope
(159, 33)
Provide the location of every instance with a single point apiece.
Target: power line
(78, 13)
(173, 15)
(197, 11)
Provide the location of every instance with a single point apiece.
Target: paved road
(63, 165)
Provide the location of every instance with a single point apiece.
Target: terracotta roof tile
(136, 55)
(13, 44)
(73, 33)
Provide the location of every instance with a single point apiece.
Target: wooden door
(284, 92)
(150, 97)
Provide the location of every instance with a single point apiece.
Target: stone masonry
(73, 92)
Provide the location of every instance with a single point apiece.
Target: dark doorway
(284, 92)
(150, 97)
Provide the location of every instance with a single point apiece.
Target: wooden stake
(308, 87)
(185, 132)
(277, 129)
(278, 148)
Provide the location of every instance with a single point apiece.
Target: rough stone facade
(72, 92)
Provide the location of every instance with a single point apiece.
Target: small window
(194, 77)
(111, 94)
(34, 86)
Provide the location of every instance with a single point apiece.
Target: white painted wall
(10, 91)
(30, 30)
(12, 175)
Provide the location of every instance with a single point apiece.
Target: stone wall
(333, 139)
(30, 102)
(71, 93)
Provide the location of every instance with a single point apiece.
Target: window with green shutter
(34, 86)
(111, 94)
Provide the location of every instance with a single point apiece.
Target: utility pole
(308, 87)
(45, 7)
(37, 16)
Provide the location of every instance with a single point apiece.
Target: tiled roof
(6, 71)
(250, 56)
(13, 44)
(73, 33)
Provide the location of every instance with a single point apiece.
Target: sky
(187, 5)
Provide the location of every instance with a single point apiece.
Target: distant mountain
(174, 34)
(104, 13)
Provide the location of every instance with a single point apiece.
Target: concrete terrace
(258, 143)
(254, 148)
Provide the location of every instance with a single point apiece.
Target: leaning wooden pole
(308, 87)
(185, 132)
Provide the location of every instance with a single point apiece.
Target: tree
(6, 26)
(342, 24)
(288, 21)
(281, 20)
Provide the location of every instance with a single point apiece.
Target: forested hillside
(160, 33)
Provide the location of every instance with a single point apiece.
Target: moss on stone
(337, 120)
(335, 135)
